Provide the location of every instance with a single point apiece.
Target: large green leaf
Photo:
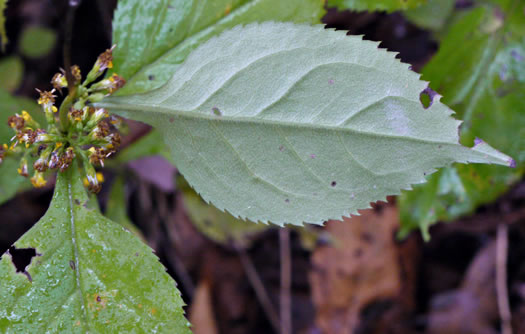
(380, 5)
(292, 123)
(90, 275)
(480, 70)
(154, 37)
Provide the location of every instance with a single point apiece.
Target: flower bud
(22, 170)
(38, 180)
(59, 81)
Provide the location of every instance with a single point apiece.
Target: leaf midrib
(76, 251)
(252, 120)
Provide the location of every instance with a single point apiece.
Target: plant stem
(258, 287)
(502, 244)
(72, 90)
(286, 281)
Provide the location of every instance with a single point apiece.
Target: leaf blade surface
(89, 275)
(154, 37)
(293, 123)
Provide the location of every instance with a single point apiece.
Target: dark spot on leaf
(172, 119)
(21, 258)
(77, 202)
(287, 200)
(333, 184)
(516, 55)
(440, 146)
(151, 77)
(281, 148)
(358, 252)
(216, 111)
(171, 30)
(72, 264)
(427, 97)
(136, 254)
(207, 222)
(99, 299)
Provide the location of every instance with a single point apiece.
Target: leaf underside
(89, 275)
(293, 123)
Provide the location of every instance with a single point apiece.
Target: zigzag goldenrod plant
(281, 122)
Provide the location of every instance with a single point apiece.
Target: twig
(286, 281)
(258, 287)
(72, 90)
(501, 279)
(70, 18)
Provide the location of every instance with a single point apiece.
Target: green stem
(62, 112)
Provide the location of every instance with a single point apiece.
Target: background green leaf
(432, 15)
(215, 224)
(480, 71)
(89, 275)
(116, 206)
(269, 123)
(11, 73)
(3, 33)
(148, 145)
(37, 42)
(371, 5)
(154, 37)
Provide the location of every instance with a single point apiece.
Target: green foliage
(271, 128)
(37, 42)
(480, 71)
(148, 145)
(154, 37)
(3, 33)
(11, 73)
(432, 15)
(116, 208)
(380, 5)
(89, 275)
(451, 193)
(219, 226)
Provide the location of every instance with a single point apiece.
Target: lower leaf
(88, 275)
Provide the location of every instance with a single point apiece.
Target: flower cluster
(75, 131)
